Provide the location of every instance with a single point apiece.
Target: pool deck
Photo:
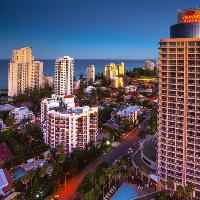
(136, 188)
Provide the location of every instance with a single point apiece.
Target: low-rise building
(89, 89)
(145, 161)
(5, 183)
(130, 89)
(2, 125)
(5, 152)
(22, 113)
(129, 96)
(130, 113)
(6, 107)
(65, 123)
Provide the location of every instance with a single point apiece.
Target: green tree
(153, 121)
(25, 179)
(189, 189)
(32, 174)
(102, 182)
(142, 134)
(180, 191)
(10, 120)
(125, 125)
(170, 186)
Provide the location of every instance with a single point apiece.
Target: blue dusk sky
(116, 29)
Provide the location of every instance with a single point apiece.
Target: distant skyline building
(64, 76)
(63, 122)
(148, 65)
(114, 70)
(47, 79)
(115, 73)
(23, 72)
(179, 104)
(90, 73)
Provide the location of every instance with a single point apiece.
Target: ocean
(79, 67)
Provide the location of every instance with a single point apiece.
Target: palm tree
(109, 173)
(116, 172)
(102, 182)
(189, 190)
(43, 171)
(60, 154)
(32, 174)
(25, 179)
(180, 191)
(170, 186)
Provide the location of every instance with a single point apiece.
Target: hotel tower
(179, 104)
(23, 72)
(64, 76)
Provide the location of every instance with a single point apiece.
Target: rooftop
(5, 180)
(129, 110)
(6, 107)
(150, 150)
(5, 152)
(142, 166)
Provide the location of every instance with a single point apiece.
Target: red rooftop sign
(191, 16)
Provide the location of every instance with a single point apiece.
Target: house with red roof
(5, 152)
(153, 99)
(5, 182)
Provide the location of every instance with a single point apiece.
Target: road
(131, 139)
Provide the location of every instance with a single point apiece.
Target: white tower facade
(64, 76)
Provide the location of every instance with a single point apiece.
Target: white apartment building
(91, 73)
(65, 123)
(64, 76)
(23, 71)
(20, 114)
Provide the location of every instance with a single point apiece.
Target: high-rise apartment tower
(64, 76)
(179, 104)
(23, 72)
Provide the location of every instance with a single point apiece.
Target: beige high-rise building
(23, 72)
(91, 73)
(64, 76)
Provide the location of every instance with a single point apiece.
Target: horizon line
(90, 58)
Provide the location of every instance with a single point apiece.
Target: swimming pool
(125, 192)
(18, 173)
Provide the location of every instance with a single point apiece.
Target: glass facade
(189, 30)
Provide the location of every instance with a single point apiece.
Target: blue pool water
(18, 173)
(125, 192)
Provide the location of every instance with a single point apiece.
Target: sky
(88, 29)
